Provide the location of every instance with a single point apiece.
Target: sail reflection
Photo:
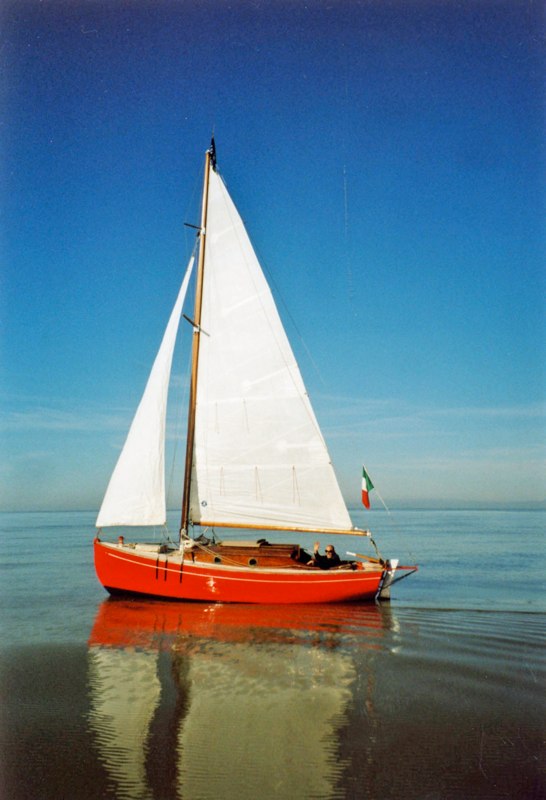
(125, 695)
(247, 701)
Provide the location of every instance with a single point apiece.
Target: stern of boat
(391, 575)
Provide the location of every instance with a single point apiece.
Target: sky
(388, 160)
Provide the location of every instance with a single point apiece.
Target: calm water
(438, 694)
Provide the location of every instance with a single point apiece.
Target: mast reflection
(198, 700)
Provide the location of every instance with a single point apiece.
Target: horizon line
(422, 505)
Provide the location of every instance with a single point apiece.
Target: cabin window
(252, 562)
(217, 560)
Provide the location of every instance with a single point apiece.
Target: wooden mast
(195, 350)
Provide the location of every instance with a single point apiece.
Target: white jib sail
(259, 456)
(136, 492)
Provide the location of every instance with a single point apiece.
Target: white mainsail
(259, 456)
(136, 492)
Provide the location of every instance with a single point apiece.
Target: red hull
(120, 569)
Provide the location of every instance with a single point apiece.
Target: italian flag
(367, 487)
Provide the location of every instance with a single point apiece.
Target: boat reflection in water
(200, 700)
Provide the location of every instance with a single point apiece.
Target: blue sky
(388, 159)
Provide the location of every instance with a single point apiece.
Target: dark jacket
(327, 563)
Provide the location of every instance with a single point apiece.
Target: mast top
(212, 153)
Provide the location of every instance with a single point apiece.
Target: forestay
(136, 492)
(259, 456)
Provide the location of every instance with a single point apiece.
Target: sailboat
(256, 462)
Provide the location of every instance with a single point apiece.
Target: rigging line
(177, 435)
(345, 203)
(190, 210)
(278, 294)
(180, 406)
(346, 235)
(392, 520)
(344, 139)
(387, 509)
(178, 423)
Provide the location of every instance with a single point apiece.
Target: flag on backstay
(367, 487)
